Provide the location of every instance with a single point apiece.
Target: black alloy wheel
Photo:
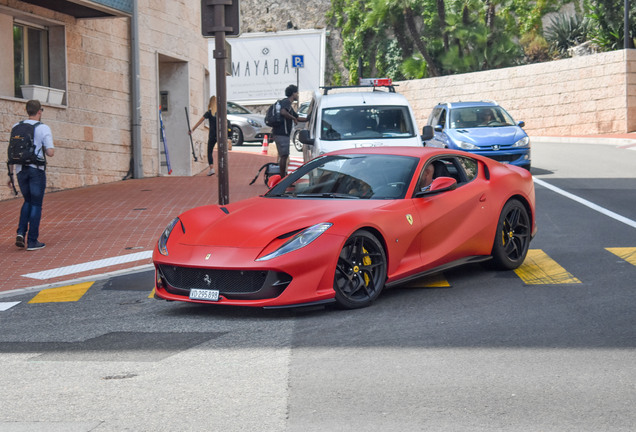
(512, 238)
(360, 272)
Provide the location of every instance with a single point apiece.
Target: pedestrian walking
(31, 176)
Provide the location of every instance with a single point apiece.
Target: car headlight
(298, 241)
(466, 146)
(523, 142)
(253, 123)
(163, 240)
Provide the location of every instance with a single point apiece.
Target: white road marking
(91, 265)
(587, 203)
(7, 305)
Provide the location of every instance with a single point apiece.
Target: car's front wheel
(237, 136)
(296, 139)
(513, 236)
(360, 272)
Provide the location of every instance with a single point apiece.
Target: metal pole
(137, 153)
(627, 41)
(220, 56)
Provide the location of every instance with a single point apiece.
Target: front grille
(504, 158)
(236, 284)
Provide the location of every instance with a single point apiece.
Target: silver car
(246, 126)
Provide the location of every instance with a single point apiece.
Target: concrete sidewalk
(106, 228)
(97, 230)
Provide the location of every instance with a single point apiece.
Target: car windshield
(482, 116)
(349, 177)
(233, 108)
(366, 122)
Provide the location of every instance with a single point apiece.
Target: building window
(31, 56)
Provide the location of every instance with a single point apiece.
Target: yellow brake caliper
(366, 260)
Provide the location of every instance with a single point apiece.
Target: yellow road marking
(152, 294)
(68, 293)
(539, 268)
(626, 253)
(433, 281)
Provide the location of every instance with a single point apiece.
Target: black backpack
(21, 149)
(272, 116)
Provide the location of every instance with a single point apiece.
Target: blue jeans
(32, 183)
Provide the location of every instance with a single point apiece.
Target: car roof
(333, 100)
(468, 104)
(405, 151)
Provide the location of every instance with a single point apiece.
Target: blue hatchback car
(482, 128)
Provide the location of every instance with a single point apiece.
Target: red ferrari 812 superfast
(346, 225)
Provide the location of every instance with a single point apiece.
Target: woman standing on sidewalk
(210, 115)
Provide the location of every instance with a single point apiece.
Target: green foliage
(565, 32)
(405, 39)
(535, 48)
(607, 22)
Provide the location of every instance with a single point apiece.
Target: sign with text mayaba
(262, 65)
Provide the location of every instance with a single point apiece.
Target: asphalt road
(488, 352)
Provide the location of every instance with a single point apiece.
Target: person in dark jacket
(282, 132)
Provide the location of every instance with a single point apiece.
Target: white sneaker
(211, 172)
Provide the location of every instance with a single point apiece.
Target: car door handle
(482, 198)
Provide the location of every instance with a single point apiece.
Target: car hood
(257, 221)
(488, 136)
(238, 117)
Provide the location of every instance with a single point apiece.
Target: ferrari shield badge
(409, 218)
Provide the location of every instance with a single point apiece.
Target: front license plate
(204, 294)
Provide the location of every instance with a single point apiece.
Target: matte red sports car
(347, 224)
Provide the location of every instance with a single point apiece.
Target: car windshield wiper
(327, 195)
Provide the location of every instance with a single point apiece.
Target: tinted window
(366, 122)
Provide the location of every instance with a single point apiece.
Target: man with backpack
(283, 129)
(29, 145)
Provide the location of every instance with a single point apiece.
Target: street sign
(298, 61)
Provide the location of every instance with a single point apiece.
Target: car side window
(442, 118)
(432, 119)
(469, 167)
(440, 167)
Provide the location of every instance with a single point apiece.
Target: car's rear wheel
(237, 136)
(512, 238)
(360, 272)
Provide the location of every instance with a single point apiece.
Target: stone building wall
(92, 130)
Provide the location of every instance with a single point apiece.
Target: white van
(351, 119)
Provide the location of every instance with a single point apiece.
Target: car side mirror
(439, 185)
(427, 133)
(521, 123)
(304, 137)
(439, 128)
(274, 180)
